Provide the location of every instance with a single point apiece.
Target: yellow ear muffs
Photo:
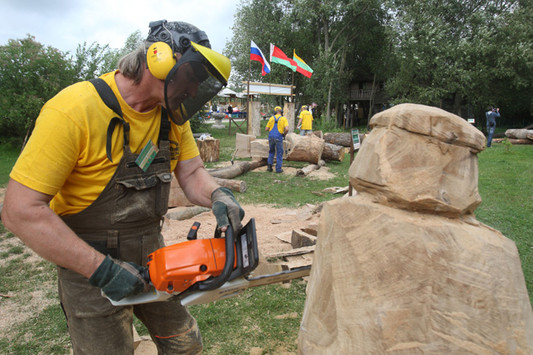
(160, 59)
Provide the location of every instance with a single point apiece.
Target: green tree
(349, 39)
(94, 60)
(453, 52)
(335, 37)
(30, 74)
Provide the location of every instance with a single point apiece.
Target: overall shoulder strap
(108, 97)
(164, 130)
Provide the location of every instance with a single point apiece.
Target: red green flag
(277, 56)
(302, 67)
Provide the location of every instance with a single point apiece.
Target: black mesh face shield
(189, 85)
(197, 76)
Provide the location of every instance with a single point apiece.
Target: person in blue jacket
(491, 123)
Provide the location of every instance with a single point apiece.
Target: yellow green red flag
(302, 67)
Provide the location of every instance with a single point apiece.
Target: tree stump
(242, 145)
(209, 149)
(308, 148)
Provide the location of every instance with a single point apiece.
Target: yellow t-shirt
(66, 154)
(282, 123)
(307, 120)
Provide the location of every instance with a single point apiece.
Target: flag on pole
(277, 56)
(256, 54)
(302, 67)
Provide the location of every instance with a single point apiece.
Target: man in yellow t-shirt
(277, 126)
(305, 124)
(90, 188)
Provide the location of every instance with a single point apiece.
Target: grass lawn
(266, 317)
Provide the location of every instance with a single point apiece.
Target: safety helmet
(304, 107)
(277, 108)
(195, 78)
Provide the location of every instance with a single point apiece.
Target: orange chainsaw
(205, 270)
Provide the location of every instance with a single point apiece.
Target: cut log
(513, 141)
(333, 152)
(520, 141)
(235, 185)
(209, 149)
(344, 139)
(336, 190)
(304, 148)
(237, 169)
(259, 149)
(319, 134)
(177, 197)
(310, 168)
(299, 239)
(518, 133)
(183, 213)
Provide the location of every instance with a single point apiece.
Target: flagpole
(292, 84)
(248, 111)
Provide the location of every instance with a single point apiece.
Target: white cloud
(65, 24)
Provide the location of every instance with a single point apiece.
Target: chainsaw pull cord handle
(216, 282)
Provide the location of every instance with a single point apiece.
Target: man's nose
(193, 90)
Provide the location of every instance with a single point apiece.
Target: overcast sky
(64, 24)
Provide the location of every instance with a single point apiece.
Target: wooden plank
(285, 237)
(293, 252)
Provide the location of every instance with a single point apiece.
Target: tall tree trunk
(457, 104)
(372, 94)
(328, 106)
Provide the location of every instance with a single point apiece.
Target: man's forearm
(196, 182)
(203, 185)
(44, 232)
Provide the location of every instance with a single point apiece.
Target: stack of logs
(517, 136)
(315, 148)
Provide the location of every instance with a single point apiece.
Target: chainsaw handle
(216, 282)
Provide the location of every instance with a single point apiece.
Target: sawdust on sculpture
(404, 267)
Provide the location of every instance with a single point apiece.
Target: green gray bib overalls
(125, 222)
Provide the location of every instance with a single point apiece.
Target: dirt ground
(269, 222)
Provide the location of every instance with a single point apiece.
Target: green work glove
(119, 279)
(226, 206)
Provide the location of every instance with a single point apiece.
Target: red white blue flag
(256, 54)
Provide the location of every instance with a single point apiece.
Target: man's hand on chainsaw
(225, 207)
(119, 279)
